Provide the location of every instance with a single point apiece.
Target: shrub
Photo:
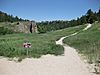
(4, 31)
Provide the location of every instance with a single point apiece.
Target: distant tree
(98, 12)
(1, 16)
(90, 16)
(78, 21)
(83, 20)
(16, 18)
(4, 17)
(98, 15)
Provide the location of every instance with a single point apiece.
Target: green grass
(11, 45)
(87, 43)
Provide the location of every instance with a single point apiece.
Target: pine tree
(90, 16)
(98, 15)
(4, 17)
(83, 20)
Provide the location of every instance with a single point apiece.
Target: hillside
(88, 43)
(13, 37)
(21, 25)
(12, 45)
(89, 17)
(67, 63)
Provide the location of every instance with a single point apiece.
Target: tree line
(4, 17)
(89, 17)
(46, 26)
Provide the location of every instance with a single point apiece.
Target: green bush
(4, 31)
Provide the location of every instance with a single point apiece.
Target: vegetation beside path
(11, 45)
(87, 43)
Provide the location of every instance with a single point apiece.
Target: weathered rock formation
(26, 27)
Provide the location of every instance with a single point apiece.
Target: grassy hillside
(87, 43)
(12, 45)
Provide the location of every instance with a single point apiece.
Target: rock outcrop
(25, 27)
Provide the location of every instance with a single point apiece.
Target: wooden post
(27, 52)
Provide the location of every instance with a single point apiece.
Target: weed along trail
(67, 64)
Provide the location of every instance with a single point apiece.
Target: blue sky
(42, 10)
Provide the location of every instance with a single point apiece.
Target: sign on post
(27, 45)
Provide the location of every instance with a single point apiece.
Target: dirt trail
(88, 26)
(68, 64)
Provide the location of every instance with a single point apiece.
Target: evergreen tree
(90, 16)
(78, 21)
(83, 20)
(98, 15)
(4, 17)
